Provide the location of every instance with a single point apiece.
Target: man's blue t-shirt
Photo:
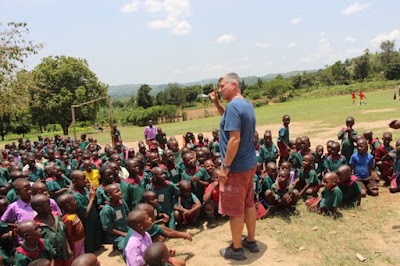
(239, 116)
(361, 164)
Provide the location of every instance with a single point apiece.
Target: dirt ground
(204, 249)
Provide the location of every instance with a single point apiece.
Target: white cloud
(393, 35)
(354, 8)
(262, 45)
(173, 14)
(296, 20)
(153, 6)
(130, 7)
(292, 44)
(182, 27)
(349, 39)
(226, 38)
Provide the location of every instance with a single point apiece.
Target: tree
(340, 74)
(388, 52)
(362, 66)
(191, 93)
(174, 94)
(66, 81)
(393, 71)
(144, 98)
(15, 82)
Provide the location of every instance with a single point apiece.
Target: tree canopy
(65, 81)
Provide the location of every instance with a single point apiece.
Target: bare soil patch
(386, 110)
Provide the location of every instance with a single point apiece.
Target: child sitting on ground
(158, 233)
(319, 161)
(288, 166)
(362, 164)
(306, 180)
(140, 240)
(395, 180)
(373, 143)
(73, 225)
(188, 207)
(383, 158)
(335, 160)
(349, 186)
(166, 192)
(33, 246)
(211, 199)
(150, 197)
(282, 195)
(52, 229)
(159, 255)
(197, 175)
(113, 217)
(331, 197)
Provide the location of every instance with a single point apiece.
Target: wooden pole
(73, 121)
(111, 120)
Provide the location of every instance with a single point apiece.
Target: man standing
(237, 129)
(150, 132)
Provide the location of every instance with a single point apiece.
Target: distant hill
(132, 89)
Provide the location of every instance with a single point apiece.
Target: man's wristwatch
(224, 166)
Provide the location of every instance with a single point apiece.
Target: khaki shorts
(237, 193)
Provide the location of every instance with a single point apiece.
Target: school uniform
(34, 174)
(55, 184)
(132, 192)
(347, 146)
(279, 192)
(331, 198)
(114, 216)
(270, 152)
(202, 174)
(91, 224)
(24, 256)
(266, 184)
(174, 174)
(166, 195)
(351, 192)
(283, 137)
(333, 163)
(387, 163)
(308, 177)
(261, 154)
(56, 237)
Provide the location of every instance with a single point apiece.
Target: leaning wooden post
(111, 119)
(73, 121)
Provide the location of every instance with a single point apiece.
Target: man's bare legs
(237, 224)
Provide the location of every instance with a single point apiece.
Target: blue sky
(162, 41)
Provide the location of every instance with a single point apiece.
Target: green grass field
(330, 111)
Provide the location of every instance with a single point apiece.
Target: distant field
(330, 111)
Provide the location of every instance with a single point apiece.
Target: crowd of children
(57, 196)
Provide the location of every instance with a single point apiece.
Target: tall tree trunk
(65, 129)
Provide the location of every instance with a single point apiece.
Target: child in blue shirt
(362, 164)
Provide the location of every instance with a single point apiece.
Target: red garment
(387, 163)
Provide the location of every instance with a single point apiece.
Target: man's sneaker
(229, 253)
(251, 246)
